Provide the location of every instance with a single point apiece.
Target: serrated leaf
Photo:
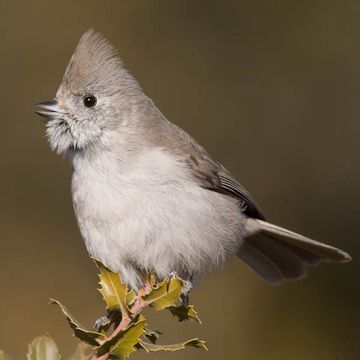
(152, 335)
(90, 337)
(174, 347)
(166, 294)
(82, 352)
(185, 313)
(4, 356)
(157, 293)
(123, 344)
(43, 348)
(112, 289)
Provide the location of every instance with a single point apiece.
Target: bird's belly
(161, 227)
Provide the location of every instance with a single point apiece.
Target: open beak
(52, 109)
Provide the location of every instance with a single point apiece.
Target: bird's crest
(94, 64)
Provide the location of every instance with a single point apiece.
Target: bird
(147, 197)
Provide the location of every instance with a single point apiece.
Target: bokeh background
(270, 88)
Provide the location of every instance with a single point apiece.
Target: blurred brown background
(270, 88)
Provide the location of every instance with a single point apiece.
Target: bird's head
(95, 94)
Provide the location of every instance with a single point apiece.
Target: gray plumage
(147, 196)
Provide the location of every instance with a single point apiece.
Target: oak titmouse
(147, 196)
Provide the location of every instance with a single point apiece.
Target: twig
(135, 310)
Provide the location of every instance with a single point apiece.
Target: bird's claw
(105, 321)
(101, 322)
(173, 274)
(187, 287)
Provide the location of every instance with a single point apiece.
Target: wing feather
(215, 177)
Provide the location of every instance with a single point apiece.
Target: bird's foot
(104, 322)
(146, 289)
(185, 292)
(173, 274)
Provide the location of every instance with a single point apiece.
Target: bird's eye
(90, 101)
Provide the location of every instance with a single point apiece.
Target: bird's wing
(213, 176)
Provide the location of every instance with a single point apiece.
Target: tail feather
(278, 255)
(308, 257)
(289, 263)
(261, 264)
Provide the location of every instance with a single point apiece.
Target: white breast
(149, 214)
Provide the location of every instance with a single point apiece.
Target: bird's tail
(278, 255)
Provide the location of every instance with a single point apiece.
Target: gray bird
(147, 196)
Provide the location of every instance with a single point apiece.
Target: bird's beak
(52, 109)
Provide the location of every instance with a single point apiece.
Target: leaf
(166, 294)
(174, 347)
(4, 356)
(151, 279)
(90, 337)
(123, 344)
(82, 352)
(152, 335)
(130, 297)
(112, 289)
(43, 348)
(185, 313)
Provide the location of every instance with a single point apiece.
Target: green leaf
(152, 335)
(43, 348)
(82, 352)
(185, 313)
(130, 297)
(90, 337)
(112, 289)
(166, 294)
(151, 279)
(174, 347)
(4, 356)
(123, 344)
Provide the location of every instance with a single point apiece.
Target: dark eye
(90, 101)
